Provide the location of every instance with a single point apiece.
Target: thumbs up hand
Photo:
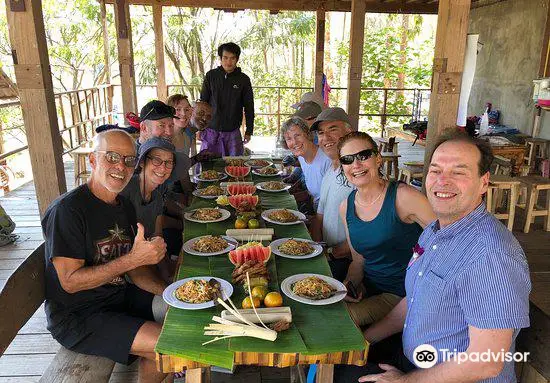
(146, 252)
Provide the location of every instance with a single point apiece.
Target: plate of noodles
(295, 248)
(209, 245)
(273, 186)
(209, 192)
(313, 289)
(267, 171)
(210, 176)
(195, 293)
(283, 216)
(207, 215)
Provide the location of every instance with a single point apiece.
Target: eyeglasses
(363, 155)
(114, 158)
(157, 162)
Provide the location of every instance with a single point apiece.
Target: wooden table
(170, 357)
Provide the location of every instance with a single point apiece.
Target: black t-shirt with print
(79, 225)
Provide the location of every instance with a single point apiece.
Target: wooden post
(450, 45)
(125, 57)
(34, 81)
(162, 90)
(357, 37)
(107, 78)
(319, 51)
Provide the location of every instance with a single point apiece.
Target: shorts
(111, 331)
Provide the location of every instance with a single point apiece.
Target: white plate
(260, 186)
(170, 298)
(300, 216)
(188, 246)
(286, 288)
(221, 176)
(196, 193)
(249, 163)
(225, 214)
(318, 249)
(267, 175)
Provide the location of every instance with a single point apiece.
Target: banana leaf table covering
(318, 334)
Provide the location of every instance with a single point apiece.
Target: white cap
(313, 97)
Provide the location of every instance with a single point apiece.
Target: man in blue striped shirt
(467, 284)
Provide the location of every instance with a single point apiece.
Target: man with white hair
(92, 244)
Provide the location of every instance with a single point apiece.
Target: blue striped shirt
(472, 273)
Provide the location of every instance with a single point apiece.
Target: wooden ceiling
(373, 6)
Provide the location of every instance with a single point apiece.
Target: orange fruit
(259, 292)
(240, 224)
(273, 299)
(247, 303)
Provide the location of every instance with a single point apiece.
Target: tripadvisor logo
(425, 356)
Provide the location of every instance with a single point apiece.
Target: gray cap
(308, 109)
(155, 143)
(330, 114)
(310, 97)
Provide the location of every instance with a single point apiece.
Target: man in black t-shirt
(91, 246)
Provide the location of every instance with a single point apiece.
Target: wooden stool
(497, 186)
(532, 185)
(536, 149)
(408, 173)
(389, 161)
(386, 145)
(503, 165)
(80, 154)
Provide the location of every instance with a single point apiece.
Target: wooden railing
(78, 111)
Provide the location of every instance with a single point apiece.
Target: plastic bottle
(484, 124)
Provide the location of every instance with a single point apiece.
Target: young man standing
(228, 90)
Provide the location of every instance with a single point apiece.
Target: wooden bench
(22, 295)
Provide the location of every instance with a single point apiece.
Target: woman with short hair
(314, 162)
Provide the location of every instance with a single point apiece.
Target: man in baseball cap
(156, 119)
(331, 125)
(310, 97)
(308, 111)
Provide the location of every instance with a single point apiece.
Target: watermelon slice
(234, 189)
(237, 171)
(240, 201)
(242, 254)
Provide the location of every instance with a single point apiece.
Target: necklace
(372, 202)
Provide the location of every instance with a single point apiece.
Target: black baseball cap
(156, 110)
(127, 129)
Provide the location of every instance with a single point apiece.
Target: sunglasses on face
(114, 158)
(363, 155)
(169, 164)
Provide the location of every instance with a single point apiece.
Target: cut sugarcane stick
(241, 232)
(255, 238)
(224, 184)
(243, 330)
(268, 315)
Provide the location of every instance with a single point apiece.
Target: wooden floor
(33, 349)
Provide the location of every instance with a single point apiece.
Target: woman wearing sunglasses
(314, 162)
(383, 221)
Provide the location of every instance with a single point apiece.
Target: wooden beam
(544, 67)
(34, 81)
(450, 46)
(357, 37)
(319, 51)
(125, 57)
(372, 6)
(105, 33)
(162, 90)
